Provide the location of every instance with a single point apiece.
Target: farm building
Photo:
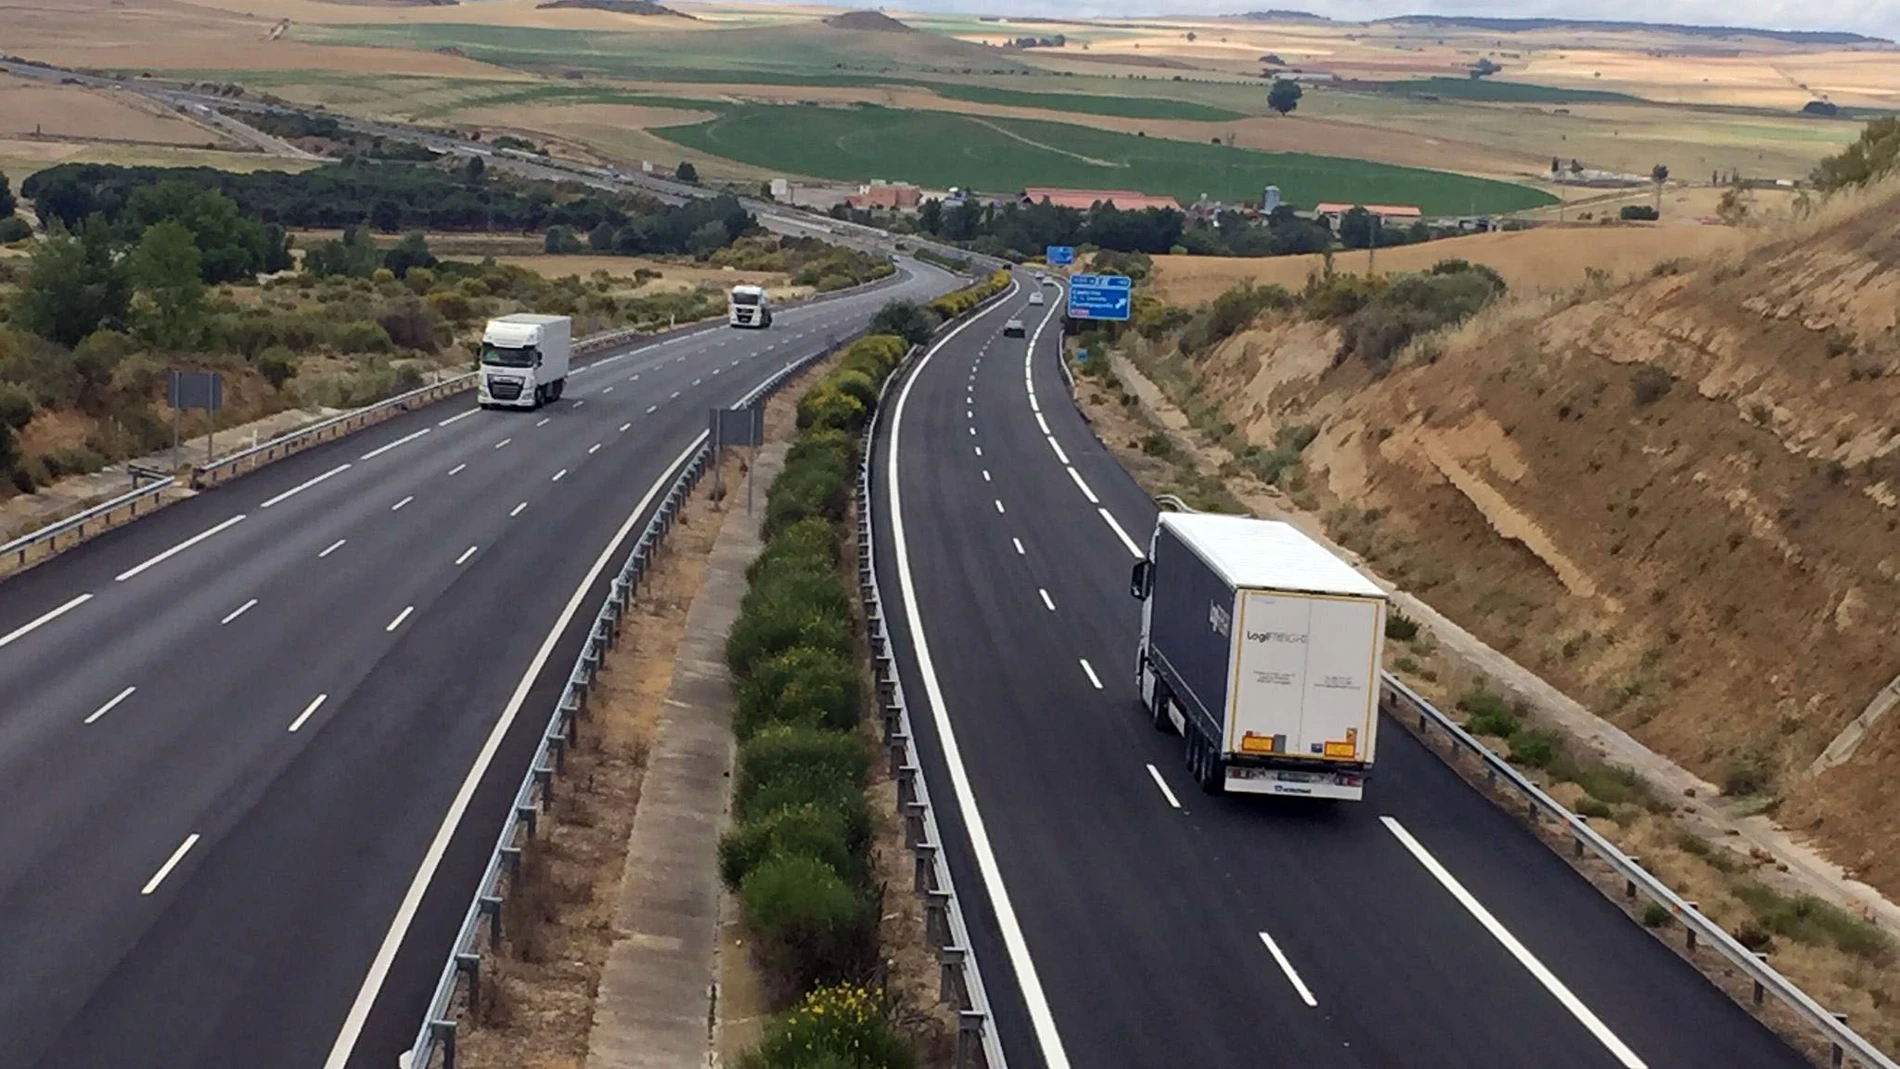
(886, 195)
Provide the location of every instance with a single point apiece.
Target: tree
(1357, 228)
(1874, 155)
(356, 256)
(474, 169)
(561, 241)
(230, 247)
(411, 251)
(687, 172)
(8, 203)
(74, 285)
(708, 236)
(1284, 96)
(905, 319)
(1659, 174)
(386, 216)
(164, 269)
(930, 216)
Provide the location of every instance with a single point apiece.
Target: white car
(1036, 297)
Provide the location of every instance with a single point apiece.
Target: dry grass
(21, 158)
(30, 107)
(1529, 260)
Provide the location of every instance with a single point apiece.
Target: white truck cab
(524, 360)
(749, 306)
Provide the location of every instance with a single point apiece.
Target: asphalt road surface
(1123, 918)
(255, 749)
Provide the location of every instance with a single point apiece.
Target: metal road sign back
(1100, 297)
(1059, 255)
(738, 426)
(195, 389)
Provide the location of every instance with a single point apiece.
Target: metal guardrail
(76, 524)
(959, 981)
(1400, 701)
(437, 1033)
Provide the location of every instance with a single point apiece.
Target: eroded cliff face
(1679, 499)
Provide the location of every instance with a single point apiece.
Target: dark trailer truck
(1262, 649)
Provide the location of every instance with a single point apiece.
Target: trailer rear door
(1305, 683)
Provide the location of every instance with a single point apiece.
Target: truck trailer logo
(1219, 619)
(1275, 636)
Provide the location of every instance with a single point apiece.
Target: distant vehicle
(1036, 297)
(524, 360)
(1262, 648)
(748, 306)
(1042, 279)
(1013, 329)
(1046, 280)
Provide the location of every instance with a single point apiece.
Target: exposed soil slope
(1678, 499)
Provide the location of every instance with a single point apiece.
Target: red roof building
(1084, 199)
(890, 197)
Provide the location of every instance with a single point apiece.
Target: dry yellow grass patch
(30, 107)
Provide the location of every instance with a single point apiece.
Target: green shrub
(801, 687)
(836, 834)
(825, 407)
(840, 1027)
(815, 483)
(1807, 919)
(13, 228)
(801, 757)
(856, 385)
(1489, 714)
(1655, 915)
(817, 592)
(811, 544)
(1591, 807)
(808, 926)
(1533, 749)
(1400, 627)
(772, 627)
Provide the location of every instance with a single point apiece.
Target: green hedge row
(798, 851)
(951, 305)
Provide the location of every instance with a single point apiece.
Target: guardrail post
(1629, 883)
(512, 856)
(1759, 991)
(557, 749)
(969, 1038)
(898, 743)
(444, 1032)
(1688, 932)
(923, 867)
(949, 965)
(893, 720)
(527, 815)
(937, 917)
(491, 908)
(544, 776)
(470, 965)
(914, 814)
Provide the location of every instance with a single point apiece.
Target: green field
(1483, 89)
(939, 149)
(1144, 107)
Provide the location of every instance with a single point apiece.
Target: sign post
(1106, 297)
(194, 389)
(737, 426)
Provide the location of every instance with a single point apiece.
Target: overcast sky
(1880, 18)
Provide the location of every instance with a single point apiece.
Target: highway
(1123, 918)
(255, 748)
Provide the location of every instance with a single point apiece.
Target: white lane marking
(986, 475)
(972, 432)
(1273, 948)
(170, 864)
(466, 554)
(1536, 968)
(675, 397)
(305, 485)
(624, 426)
(999, 505)
(969, 413)
(979, 450)
(559, 475)
(179, 548)
(334, 546)
(456, 470)
(698, 381)
(1043, 423)
(517, 510)
(1045, 599)
(1093, 678)
(404, 440)
(1033, 406)
(308, 710)
(43, 619)
(1163, 784)
(735, 363)
(1057, 446)
(397, 507)
(595, 448)
(1121, 534)
(400, 617)
(503, 442)
(652, 409)
(1020, 551)
(545, 420)
(1035, 1000)
(1084, 487)
(717, 370)
(111, 705)
(452, 419)
(577, 404)
(425, 873)
(239, 611)
(633, 378)
(608, 390)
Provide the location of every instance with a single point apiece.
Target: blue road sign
(1059, 255)
(1099, 297)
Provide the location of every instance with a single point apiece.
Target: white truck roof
(1267, 554)
(744, 287)
(528, 319)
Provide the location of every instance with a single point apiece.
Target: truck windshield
(745, 298)
(503, 356)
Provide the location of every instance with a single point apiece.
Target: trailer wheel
(1158, 709)
(1205, 764)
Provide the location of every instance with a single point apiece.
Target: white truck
(748, 306)
(525, 360)
(1262, 648)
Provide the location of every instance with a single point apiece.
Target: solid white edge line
(1163, 784)
(452, 419)
(1082, 486)
(305, 485)
(1035, 1001)
(1286, 966)
(170, 864)
(179, 548)
(466, 554)
(315, 704)
(42, 620)
(400, 617)
(425, 873)
(1090, 669)
(404, 440)
(1045, 598)
(239, 611)
(111, 705)
(334, 546)
(1109, 518)
(1524, 957)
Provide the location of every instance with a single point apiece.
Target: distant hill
(868, 20)
(1277, 15)
(395, 3)
(618, 7)
(1794, 37)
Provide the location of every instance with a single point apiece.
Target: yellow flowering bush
(839, 1027)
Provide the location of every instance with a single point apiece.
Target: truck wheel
(560, 387)
(1158, 711)
(1213, 771)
